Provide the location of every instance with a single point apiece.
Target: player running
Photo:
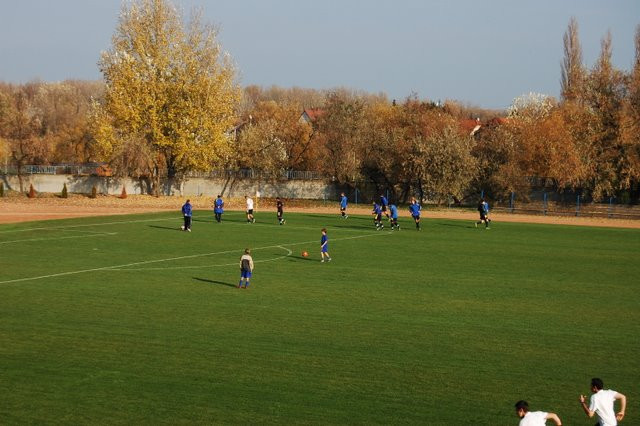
(384, 204)
(415, 208)
(483, 209)
(218, 208)
(343, 205)
(377, 216)
(280, 211)
(250, 218)
(393, 211)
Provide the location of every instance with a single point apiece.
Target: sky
(481, 53)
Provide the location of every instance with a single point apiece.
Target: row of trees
(170, 104)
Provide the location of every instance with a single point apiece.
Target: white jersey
(249, 203)
(602, 404)
(534, 418)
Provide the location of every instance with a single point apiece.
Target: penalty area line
(169, 259)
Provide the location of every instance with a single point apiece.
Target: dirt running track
(20, 209)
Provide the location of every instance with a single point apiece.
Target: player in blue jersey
(483, 209)
(343, 205)
(393, 211)
(186, 213)
(384, 204)
(324, 246)
(377, 216)
(218, 208)
(415, 208)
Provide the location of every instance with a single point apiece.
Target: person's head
(413, 200)
(342, 194)
(324, 230)
(247, 251)
(596, 385)
(277, 198)
(219, 196)
(522, 408)
(188, 201)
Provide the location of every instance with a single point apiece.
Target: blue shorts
(325, 249)
(245, 274)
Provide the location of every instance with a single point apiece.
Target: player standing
(186, 212)
(280, 210)
(377, 216)
(250, 218)
(415, 209)
(534, 418)
(246, 268)
(393, 210)
(218, 208)
(324, 246)
(343, 205)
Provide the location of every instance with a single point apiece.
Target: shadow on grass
(457, 225)
(205, 280)
(170, 228)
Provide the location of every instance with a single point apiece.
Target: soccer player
(250, 218)
(483, 209)
(343, 205)
(377, 216)
(384, 203)
(393, 210)
(534, 418)
(280, 210)
(601, 403)
(218, 208)
(415, 208)
(246, 268)
(324, 246)
(186, 212)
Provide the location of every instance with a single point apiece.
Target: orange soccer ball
(305, 254)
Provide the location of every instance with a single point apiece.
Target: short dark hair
(597, 383)
(324, 229)
(522, 405)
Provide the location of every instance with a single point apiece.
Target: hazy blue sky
(480, 52)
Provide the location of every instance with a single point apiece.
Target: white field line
(147, 262)
(8, 231)
(101, 234)
(289, 253)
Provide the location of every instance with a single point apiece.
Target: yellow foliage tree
(169, 87)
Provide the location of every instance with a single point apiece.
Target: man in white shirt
(602, 402)
(250, 218)
(534, 418)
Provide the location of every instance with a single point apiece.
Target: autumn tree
(630, 125)
(573, 73)
(22, 127)
(169, 87)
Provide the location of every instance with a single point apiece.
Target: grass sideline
(450, 325)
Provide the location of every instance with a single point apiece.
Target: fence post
(511, 201)
(356, 196)
(610, 207)
(578, 206)
(545, 203)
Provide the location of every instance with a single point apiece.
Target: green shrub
(65, 193)
(94, 192)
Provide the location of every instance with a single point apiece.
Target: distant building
(310, 116)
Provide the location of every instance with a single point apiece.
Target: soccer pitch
(127, 320)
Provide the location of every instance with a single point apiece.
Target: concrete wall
(311, 189)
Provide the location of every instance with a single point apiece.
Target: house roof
(310, 115)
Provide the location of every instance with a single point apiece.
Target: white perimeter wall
(310, 189)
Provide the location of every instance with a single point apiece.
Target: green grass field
(126, 320)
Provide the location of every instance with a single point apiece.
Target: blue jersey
(485, 207)
(343, 202)
(384, 201)
(186, 209)
(414, 208)
(218, 206)
(394, 211)
(376, 209)
(324, 243)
